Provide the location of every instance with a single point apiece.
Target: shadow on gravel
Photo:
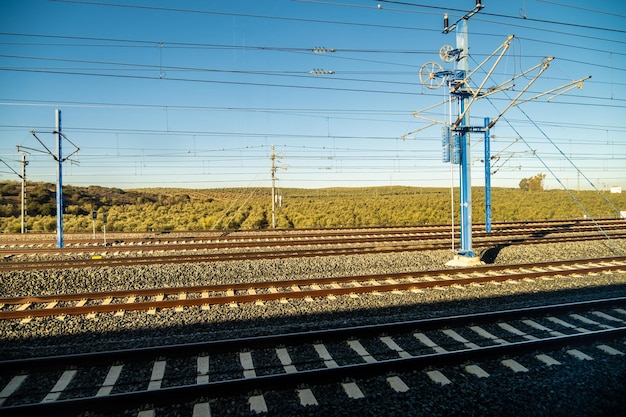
(224, 322)
(489, 256)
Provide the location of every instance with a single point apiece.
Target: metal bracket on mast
(433, 122)
(561, 90)
(447, 28)
(461, 87)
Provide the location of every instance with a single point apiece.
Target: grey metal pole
(487, 177)
(273, 158)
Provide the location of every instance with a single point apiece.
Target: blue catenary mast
(59, 194)
(462, 127)
(456, 135)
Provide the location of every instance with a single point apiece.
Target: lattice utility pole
(276, 197)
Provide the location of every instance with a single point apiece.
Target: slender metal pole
(465, 169)
(466, 190)
(59, 159)
(105, 216)
(273, 158)
(24, 163)
(487, 178)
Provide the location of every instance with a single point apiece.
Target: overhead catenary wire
(299, 19)
(308, 112)
(261, 84)
(179, 130)
(499, 15)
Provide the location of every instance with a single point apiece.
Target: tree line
(167, 209)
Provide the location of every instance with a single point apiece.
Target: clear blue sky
(194, 93)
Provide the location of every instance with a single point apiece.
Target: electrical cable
(232, 14)
(145, 77)
(524, 18)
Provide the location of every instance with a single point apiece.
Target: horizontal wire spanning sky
(194, 94)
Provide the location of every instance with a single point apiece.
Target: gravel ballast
(525, 395)
(224, 321)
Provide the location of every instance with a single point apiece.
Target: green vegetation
(163, 209)
(533, 183)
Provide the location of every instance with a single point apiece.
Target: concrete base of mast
(464, 261)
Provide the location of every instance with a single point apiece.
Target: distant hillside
(162, 209)
(41, 198)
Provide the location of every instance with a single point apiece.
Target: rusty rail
(26, 307)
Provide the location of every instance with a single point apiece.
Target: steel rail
(263, 292)
(187, 393)
(296, 239)
(46, 363)
(277, 254)
(263, 239)
(227, 234)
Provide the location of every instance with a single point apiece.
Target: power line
(260, 84)
(195, 11)
(582, 8)
(441, 8)
(301, 73)
(156, 77)
(524, 18)
(161, 68)
(299, 111)
(294, 135)
(151, 44)
(543, 30)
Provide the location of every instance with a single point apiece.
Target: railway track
(75, 239)
(302, 368)
(217, 252)
(150, 300)
(263, 239)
